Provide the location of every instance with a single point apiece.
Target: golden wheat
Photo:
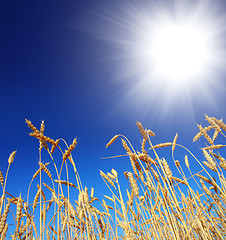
(107, 178)
(69, 150)
(31, 126)
(160, 145)
(174, 143)
(35, 202)
(46, 170)
(210, 160)
(4, 232)
(135, 164)
(156, 205)
(142, 131)
(199, 134)
(149, 132)
(203, 132)
(11, 157)
(1, 178)
(65, 183)
(179, 180)
(54, 146)
(126, 147)
(112, 140)
(4, 217)
(186, 161)
(135, 188)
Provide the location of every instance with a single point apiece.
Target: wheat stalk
(156, 205)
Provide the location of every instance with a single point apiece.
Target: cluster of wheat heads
(159, 204)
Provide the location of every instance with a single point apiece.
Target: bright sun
(168, 50)
(175, 51)
(179, 51)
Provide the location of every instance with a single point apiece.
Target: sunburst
(168, 50)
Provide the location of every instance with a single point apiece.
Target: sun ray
(167, 49)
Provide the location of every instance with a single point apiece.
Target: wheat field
(159, 203)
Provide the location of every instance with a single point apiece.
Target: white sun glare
(173, 50)
(168, 50)
(179, 51)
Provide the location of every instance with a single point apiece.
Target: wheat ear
(217, 146)
(213, 123)
(46, 170)
(142, 131)
(1, 178)
(107, 178)
(210, 160)
(4, 217)
(220, 123)
(204, 133)
(199, 134)
(135, 188)
(112, 140)
(65, 183)
(31, 126)
(36, 199)
(70, 149)
(150, 133)
(11, 157)
(160, 145)
(174, 143)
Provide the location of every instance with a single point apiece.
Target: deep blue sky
(56, 66)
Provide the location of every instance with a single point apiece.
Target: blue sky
(63, 62)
